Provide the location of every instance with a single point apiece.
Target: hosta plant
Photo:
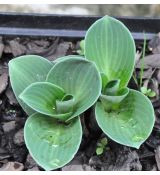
(124, 115)
(54, 94)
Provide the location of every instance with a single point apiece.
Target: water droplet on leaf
(39, 77)
(55, 162)
(122, 127)
(54, 138)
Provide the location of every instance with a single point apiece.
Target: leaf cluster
(55, 94)
(101, 146)
(148, 92)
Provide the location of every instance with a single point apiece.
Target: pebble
(18, 138)
(8, 126)
(12, 166)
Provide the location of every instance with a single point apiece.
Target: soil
(14, 155)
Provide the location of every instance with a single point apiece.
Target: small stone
(12, 166)
(18, 138)
(8, 126)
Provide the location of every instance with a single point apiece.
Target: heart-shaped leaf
(110, 45)
(52, 144)
(25, 70)
(131, 123)
(79, 78)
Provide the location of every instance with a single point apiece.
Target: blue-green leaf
(79, 78)
(25, 70)
(52, 144)
(130, 124)
(110, 45)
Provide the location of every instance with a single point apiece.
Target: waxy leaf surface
(131, 124)
(110, 45)
(25, 70)
(79, 78)
(52, 144)
(42, 97)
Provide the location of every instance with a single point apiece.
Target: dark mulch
(13, 152)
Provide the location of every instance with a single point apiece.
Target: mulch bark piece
(50, 48)
(150, 61)
(154, 44)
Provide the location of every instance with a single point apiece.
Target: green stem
(135, 79)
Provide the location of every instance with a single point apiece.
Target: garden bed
(13, 152)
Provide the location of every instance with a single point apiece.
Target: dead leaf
(43, 48)
(36, 46)
(60, 51)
